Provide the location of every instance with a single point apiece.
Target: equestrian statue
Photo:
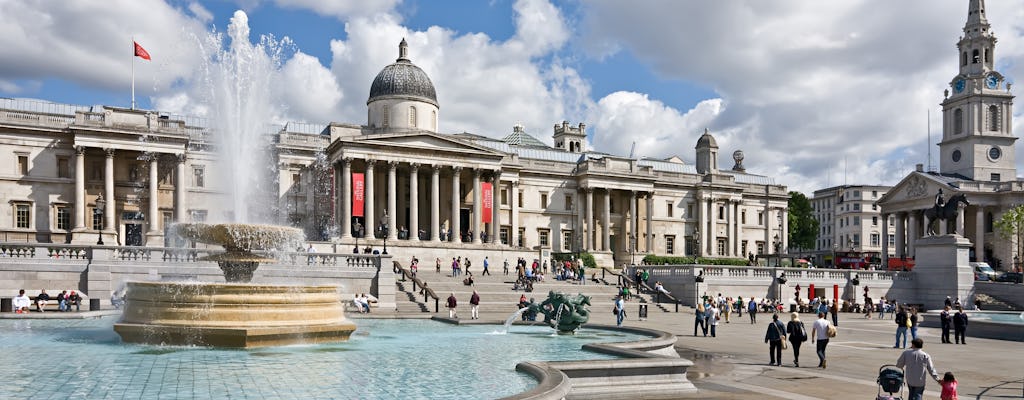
(944, 210)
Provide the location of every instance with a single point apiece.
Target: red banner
(358, 191)
(488, 201)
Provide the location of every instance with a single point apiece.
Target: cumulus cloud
(312, 91)
(808, 84)
(622, 118)
(341, 8)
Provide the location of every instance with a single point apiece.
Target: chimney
(919, 167)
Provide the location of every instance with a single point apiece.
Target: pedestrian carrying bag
(832, 331)
(908, 323)
(803, 333)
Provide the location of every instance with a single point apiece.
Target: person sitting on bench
(42, 299)
(21, 302)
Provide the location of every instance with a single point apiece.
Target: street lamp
(696, 246)
(835, 247)
(98, 212)
(384, 230)
(777, 244)
(356, 228)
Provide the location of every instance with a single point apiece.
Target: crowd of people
(22, 303)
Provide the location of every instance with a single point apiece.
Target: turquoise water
(1010, 317)
(385, 359)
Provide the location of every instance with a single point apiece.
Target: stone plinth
(232, 315)
(942, 269)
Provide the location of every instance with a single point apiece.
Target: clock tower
(977, 139)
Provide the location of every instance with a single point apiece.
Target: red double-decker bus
(858, 260)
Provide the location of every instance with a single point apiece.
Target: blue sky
(807, 89)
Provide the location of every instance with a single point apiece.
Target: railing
(427, 292)
(623, 278)
(760, 273)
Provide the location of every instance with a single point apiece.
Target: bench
(52, 304)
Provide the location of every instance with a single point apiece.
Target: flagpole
(133, 72)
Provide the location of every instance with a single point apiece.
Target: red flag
(358, 190)
(141, 52)
(487, 201)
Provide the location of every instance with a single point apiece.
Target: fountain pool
(382, 359)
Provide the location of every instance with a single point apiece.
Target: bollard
(642, 313)
(6, 304)
(94, 304)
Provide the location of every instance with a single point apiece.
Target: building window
(874, 194)
(874, 221)
(874, 207)
(975, 56)
(63, 167)
(296, 182)
(568, 202)
(23, 164)
(721, 246)
(543, 234)
(22, 215)
(504, 197)
(743, 216)
(760, 218)
(743, 247)
(856, 220)
(566, 240)
(198, 215)
(892, 221)
(689, 211)
(611, 206)
(521, 238)
(958, 121)
(856, 207)
(198, 177)
(993, 118)
(670, 244)
(412, 116)
(856, 194)
(856, 239)
(503, 235)
(760, 247)
(995, 177)
(892, 241)
(721, 212)
(543, 200)
(63, 220)
(520, 199)
(876, 240)
(668, 209)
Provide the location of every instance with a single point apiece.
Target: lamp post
(835, 247)
(855, 281)
(356, 228)
(384, 230)
(776, 244)
(696, 245)
(98, 212)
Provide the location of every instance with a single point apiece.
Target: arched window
(958, 121)
(988, 55)
(963, 59)
(412, 117)
(993, 118)
(975, 56)
(386, 118)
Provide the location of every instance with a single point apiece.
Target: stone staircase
(497, 296)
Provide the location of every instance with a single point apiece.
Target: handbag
(832, 331)
(782, 336)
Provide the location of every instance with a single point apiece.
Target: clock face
(992, 81)
(959, 85)
(994, 153)
(956, 155)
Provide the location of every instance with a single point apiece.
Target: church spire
(976, 15)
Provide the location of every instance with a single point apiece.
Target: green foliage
(803, 227)
(1010, 226)
(651, 259)
(588, 260)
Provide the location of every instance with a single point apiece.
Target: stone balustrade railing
(762, 273)
(55, 253)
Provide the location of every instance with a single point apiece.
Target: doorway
(463, 223)
(133, 234)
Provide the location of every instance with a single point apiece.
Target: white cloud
(341, 8)
(621, 118)
(311, 90)
(808, 84)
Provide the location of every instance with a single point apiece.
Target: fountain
(236, 313)
(562, 312)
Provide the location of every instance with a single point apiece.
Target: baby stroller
(890, 380)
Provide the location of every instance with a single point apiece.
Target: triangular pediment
(917, 187)
(421, 141)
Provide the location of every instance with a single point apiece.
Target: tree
(1010, 226)
(803, 227)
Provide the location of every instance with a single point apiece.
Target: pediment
(917, 187)
(421, 141)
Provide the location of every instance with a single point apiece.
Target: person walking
(726, 310)
(451, 304)
(916, 364)
(775, 336)
(881, 308)
(820, 334)
(914, 320)
(739, 306)
(835, 312)
(620, 310)
(699, 320)
(960, 326)
(713, 317)
(797, 335)
(486, 264)
(505, 270)
(902, 323)
(437, 264)
(474, 302)
(752, 311)
(947, 322)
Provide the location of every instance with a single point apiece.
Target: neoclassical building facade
(978, 157)
(394, 178)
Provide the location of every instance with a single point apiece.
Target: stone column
(729, 229)
(633, 221)
(979, 234)
(180, 208)
(478, 208)
(369, 227)
(912, 234)
(435, 203)
(885, 240)
(606, 223)
(588, 228)
(960, 221)
(345, 205)
(496, 208)
(414, 202)
(154, 203)
(736, 230)
(514, 201)
(784, 235)
(392, 210)
(108, 185)
(712, 249)
(702, 226)
(80, 189)
(649, 242)
(901, 235)
(456, 228)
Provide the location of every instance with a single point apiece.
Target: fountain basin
(232, 314)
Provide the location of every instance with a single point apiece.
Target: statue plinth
(942, 269)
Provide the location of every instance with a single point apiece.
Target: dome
(706, 140)
(403, 79)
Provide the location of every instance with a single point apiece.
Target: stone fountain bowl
(242, 237)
